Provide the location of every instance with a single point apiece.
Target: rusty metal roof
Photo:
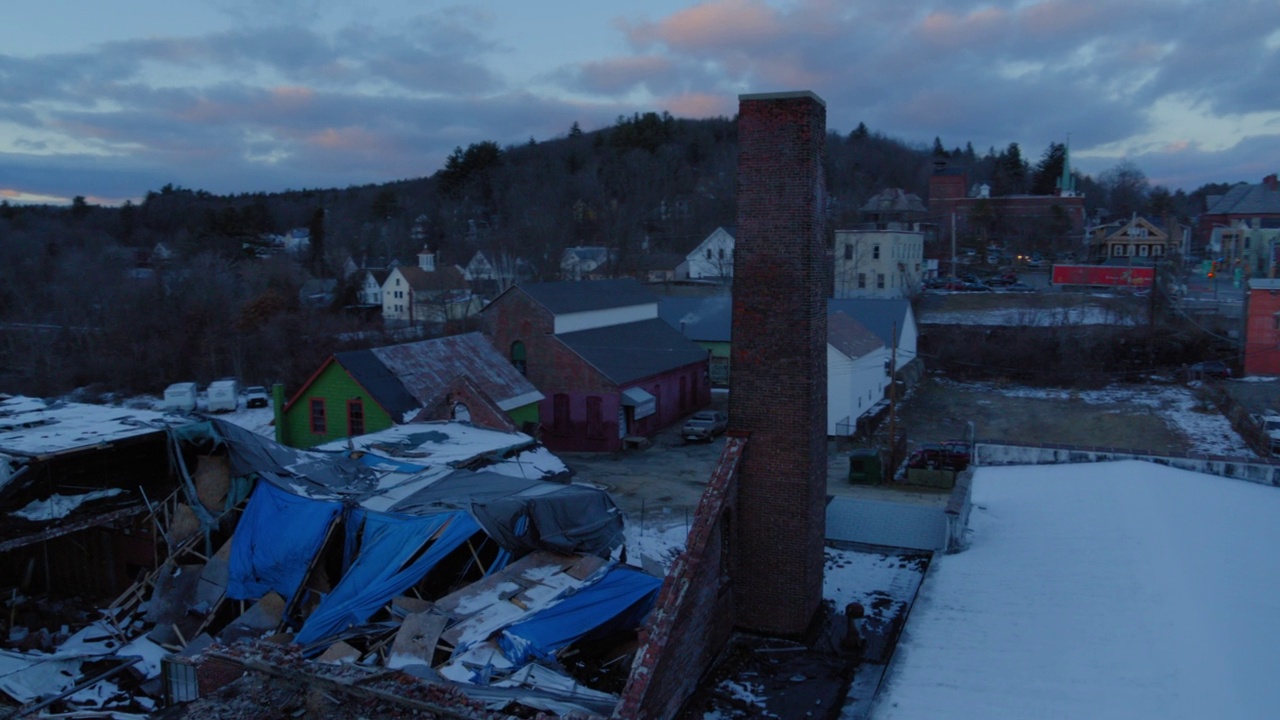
(418, 370)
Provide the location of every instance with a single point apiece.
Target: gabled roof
(702, 319)
(571, 296)
(1246, 199)
(895, 201)
(876, 315)
(443, 278)
(402, 378)
(634, 351)
(596, 254)
(850, 337)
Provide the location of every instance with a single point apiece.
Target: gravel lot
(661, 485)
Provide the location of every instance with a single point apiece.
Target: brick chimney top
(1271, 182)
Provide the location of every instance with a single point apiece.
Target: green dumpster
(866, 466)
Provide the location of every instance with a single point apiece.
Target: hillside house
(1138, 237)
(608, 366)
(882, 262)
(425, 293)
(712, 259)
(585, 263)
(460, 377)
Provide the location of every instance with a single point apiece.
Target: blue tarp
(278, 535)
(622, 598)
(382, 569)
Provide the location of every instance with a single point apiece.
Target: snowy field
(1111, 590)
(1204, 428)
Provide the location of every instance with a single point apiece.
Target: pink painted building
(1262, 327)
(608, 366)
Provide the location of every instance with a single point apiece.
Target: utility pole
(893, 395)
(953, 243)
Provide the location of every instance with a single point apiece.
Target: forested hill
(85, 299)
(648, 177)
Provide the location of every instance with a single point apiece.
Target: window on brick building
(317, 416)
(461, 412)
(518, 358)
(355, 418)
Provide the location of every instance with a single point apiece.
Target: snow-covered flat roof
(32, 427)
(1111, 590)
(433, 443)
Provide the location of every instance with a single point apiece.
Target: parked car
(1209, 369)
(256, 396)
(1019, 287)
(1269, 422)
(976, 287)
(950, 455)
(704, 425)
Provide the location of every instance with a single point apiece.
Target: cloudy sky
(112, 99)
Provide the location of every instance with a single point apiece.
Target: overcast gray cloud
(298, 96)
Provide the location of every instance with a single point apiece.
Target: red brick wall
(694, 615)
(1261, 338)
(778, 389)
(553, 368)
(1011, 209)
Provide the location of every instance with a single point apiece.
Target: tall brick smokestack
(778, 391)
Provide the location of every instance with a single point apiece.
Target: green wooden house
(460, 377)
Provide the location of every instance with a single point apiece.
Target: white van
(223, 394)
(180, 396)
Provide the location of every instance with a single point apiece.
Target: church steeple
(1067, 183)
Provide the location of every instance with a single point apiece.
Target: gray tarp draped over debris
(325, 473)
(520, 514)
(523, 515)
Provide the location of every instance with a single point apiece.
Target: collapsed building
(460, 557)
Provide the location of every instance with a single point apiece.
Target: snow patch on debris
(59, 506)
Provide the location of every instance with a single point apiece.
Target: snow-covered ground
(1110, 590)
(1205, 429)
(1031, 317)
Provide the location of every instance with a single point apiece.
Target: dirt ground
(935, 411)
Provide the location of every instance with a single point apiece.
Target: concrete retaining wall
(1263, 472)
